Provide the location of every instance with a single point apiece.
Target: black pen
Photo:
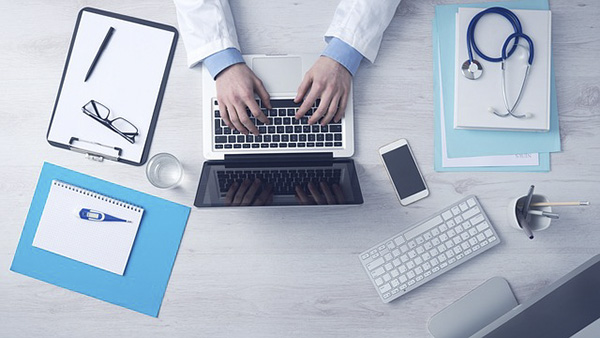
(525, 216)
(100, 51)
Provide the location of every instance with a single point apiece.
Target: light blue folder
(143, 285)
(468, 143)
(544, 158)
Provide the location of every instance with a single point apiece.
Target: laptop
(290, 162)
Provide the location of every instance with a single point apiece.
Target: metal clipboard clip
(95, 151)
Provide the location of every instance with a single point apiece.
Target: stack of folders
(467, 136)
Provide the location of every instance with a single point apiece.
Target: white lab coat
(207, 26)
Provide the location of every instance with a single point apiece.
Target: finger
(328, 195)
(237, 200)
(307, 104)
(321, 109)
(231, 193)
(333, 108)
(225, 115)
(262, 93)
(255, 109)
(339, 194)
(301, 195)
(235, 120)
(245, 120)
(264, 196)
(342, 110)
(303, 88)
(316, 194)
(270, 199)
(249, 196)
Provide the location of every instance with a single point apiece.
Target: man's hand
(329, 81)
(236, 86)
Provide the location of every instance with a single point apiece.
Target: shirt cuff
(343, 53)
(219, 61)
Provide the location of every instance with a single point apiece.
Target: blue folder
(468, 143)
(544, 158)
(143, 285)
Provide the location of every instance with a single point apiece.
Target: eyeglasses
(119, 125)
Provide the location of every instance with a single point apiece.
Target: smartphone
(403, 171)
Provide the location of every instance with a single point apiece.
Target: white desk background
(293, 272)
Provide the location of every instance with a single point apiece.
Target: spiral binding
(97, 196)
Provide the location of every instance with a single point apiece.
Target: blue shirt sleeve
(219, 61)
(343, 53)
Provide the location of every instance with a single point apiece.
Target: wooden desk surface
(294, 272)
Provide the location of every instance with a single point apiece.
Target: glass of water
(164, 171)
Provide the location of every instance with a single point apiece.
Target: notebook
(474, 98)
(105, 245)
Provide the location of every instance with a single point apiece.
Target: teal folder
(544, 158)
(468, 143)
(144, 282)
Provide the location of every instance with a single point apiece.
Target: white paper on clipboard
(127, 79)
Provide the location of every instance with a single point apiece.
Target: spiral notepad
(105, 245)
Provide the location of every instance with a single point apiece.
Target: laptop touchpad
(279, 74)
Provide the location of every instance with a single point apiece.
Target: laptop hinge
(287, 158)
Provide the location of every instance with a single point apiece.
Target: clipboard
(129, 78)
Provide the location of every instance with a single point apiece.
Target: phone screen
(403, 171)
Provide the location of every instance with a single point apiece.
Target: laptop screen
(278, 184)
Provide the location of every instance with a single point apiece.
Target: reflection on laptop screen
(278, 184)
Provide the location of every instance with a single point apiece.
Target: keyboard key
(335, 128)
(376, 263)
(284, 103)
(220, 139)
(385, 288)
(482, 226)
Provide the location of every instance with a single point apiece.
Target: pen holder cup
(536, 223)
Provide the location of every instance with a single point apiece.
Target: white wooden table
(293, 272)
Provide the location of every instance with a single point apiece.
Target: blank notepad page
(105, 245)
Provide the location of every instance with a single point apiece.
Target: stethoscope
(472, 69)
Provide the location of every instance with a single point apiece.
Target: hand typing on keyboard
(327, 83)
(236, 86)
(330, 81)
(249, 192)
(327, 195)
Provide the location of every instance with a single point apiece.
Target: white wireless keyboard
(429, 248)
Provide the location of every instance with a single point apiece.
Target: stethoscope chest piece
(472, 70)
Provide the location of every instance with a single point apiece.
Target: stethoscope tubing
(472, 45)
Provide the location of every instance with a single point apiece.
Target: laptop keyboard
(283, 131)
(283, 181)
